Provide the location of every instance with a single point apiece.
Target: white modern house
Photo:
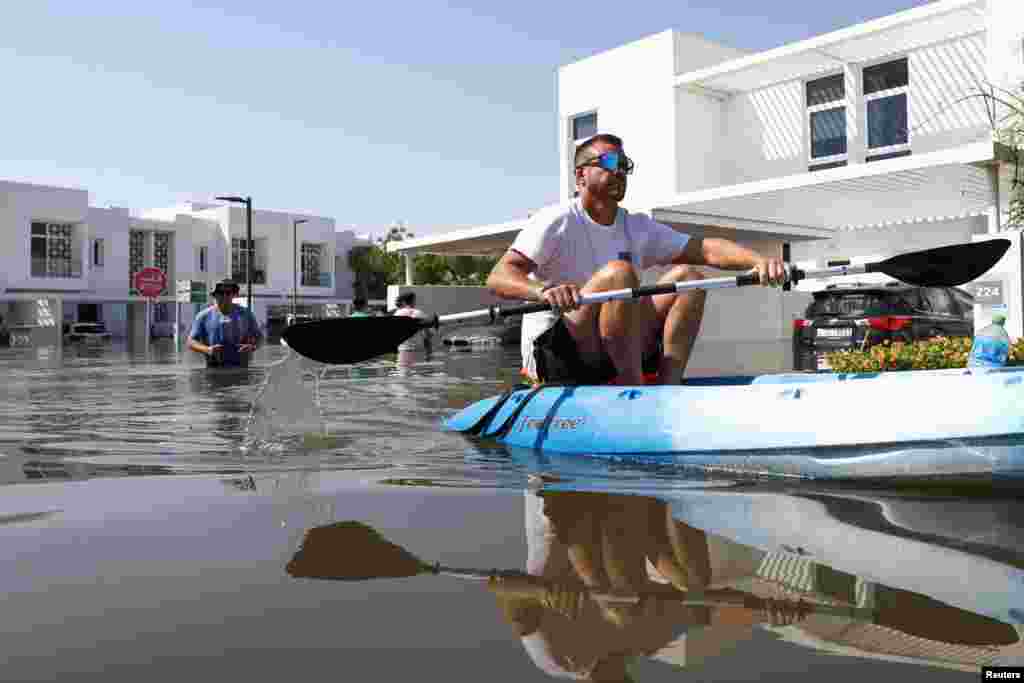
(857, 144)
(65, 261)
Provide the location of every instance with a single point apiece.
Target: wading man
(593, 245)
(225, 332)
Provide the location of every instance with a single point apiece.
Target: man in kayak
(225, 332)
(593, 245)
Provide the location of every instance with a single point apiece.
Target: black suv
(856, 316)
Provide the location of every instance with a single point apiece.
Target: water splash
(287, 408)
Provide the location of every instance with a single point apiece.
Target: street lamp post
(295, 262)
(250, 247)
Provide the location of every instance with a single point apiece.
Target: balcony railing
(42, 267)
(318, 280)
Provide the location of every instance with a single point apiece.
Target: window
(311, 276)
(242, 253)
(826, 116)
(162, 242)
(50, 251)
(584, 126)
(97, 253)
(581, 127)
(202, 259)
(886, 98)
(848, 304)
(136, 255)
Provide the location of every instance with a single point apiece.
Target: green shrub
(927, 354)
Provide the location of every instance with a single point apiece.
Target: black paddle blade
(350, 340)
(943, 266)
(351, 551)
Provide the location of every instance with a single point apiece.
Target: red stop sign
(150, 282)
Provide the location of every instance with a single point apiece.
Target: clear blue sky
(368, 112)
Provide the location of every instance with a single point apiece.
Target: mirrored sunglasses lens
(609, 161)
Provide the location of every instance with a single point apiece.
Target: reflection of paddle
(353, 551)
(350, 340)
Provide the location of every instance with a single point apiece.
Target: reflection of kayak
(822, 425)
(980, 577)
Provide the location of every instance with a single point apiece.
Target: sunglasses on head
(611, 161)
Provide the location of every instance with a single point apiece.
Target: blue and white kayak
(821, 425)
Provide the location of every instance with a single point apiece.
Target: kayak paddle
(353, 551)
(351, 340)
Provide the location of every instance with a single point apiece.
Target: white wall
(763, 134)
(192, 225)
(1005, 33)
(630, 87)
(112, 226)
(23, 203)
(1008, 272)
(699, 130)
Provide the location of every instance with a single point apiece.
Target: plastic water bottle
(991, 345)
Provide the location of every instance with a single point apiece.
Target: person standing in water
(359, 308)
(423, 339)
(225, 332)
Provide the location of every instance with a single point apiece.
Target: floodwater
(160, 521)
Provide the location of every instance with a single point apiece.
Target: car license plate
(835, 332)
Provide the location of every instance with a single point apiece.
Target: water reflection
(229, 394)
(618, 586)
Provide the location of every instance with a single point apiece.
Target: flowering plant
(927, 354)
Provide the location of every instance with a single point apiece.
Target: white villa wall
(630, 88)
(699, 134)
(112, 226)
(276, 240)
(762, 134)
(1005, 41)
(23, 203)
(193, 225)
(1007, 272)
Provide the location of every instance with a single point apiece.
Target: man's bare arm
(728, 255)
(509, 278)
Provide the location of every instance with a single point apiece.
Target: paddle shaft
(795, 275)
(529, 586)
(948, 266)
(941, 266)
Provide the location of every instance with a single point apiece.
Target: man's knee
(682, 273)
(616, 274)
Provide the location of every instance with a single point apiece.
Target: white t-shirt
(569, 246)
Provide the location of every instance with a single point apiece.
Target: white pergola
(951, 183)
(896, 33)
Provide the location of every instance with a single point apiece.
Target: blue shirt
(212, 327)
